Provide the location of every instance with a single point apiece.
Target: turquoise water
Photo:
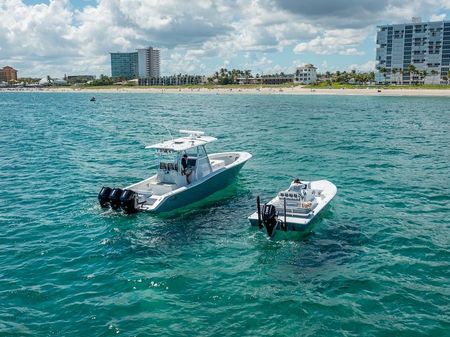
(377, 263)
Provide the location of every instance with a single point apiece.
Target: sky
(58, 37)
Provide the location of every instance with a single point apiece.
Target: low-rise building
(306, 74)
(267, 79)
(74, 79)
(48, 81)
(8, 74)
(173, 80)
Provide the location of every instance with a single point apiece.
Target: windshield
(168, 160)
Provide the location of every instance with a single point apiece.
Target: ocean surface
(376, 264)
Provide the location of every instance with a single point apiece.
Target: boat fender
(103, 196)
(114, 198)
(129, 201)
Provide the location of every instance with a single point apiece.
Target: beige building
(148, 63)
(8, 74)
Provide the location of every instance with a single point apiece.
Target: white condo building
(306, 74)
(148, 62)
(424, 45)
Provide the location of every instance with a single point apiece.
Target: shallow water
(377, 263)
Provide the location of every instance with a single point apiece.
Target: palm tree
(448, 77)
(383, 71)
(394, 71)
(412, 71)
(423, 74)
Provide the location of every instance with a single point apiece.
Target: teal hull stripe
(200, 191)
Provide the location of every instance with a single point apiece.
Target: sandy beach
(256, 91)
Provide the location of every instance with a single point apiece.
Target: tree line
(415, 74)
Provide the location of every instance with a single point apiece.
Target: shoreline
(245, 91)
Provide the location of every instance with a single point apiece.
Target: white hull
(297, 218)
(156, 197)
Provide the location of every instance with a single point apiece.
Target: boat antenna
(170, 133)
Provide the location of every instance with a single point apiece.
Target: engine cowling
(129, 201)
(103, 196)
(269, 218)
(114, 198)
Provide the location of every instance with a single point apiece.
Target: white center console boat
(186, 174)
(294, 208)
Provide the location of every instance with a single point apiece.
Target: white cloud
(364, 67)
(438, 17)
(334, 41)
(194, 37)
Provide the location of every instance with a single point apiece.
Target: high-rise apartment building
(8, 74)
(423, 45)
(141, 64)
(124, 65)
(148, 61)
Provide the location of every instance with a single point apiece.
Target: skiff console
(186, 173)
(294, 208)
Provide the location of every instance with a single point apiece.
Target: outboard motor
(269, 218)
(129, 201)
(114, 198)
(103, 196)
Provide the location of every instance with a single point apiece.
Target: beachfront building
(416, 52)
(144, 63)
(79, 79)
(306, 74)
(148, 62)
(173, 80)
(8, 74)
(267, 79)
(124, 65)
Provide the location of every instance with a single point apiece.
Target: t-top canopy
(194, 139)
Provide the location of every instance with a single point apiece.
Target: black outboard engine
(129, 201)
(269, 218)
(114, 198)
(103, 196)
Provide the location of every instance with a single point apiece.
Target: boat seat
(289, 195)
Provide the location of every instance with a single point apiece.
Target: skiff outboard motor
(269, 218)
(103, 196)
(129, 201)
(114, 198)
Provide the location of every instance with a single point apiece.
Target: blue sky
(60, 37)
